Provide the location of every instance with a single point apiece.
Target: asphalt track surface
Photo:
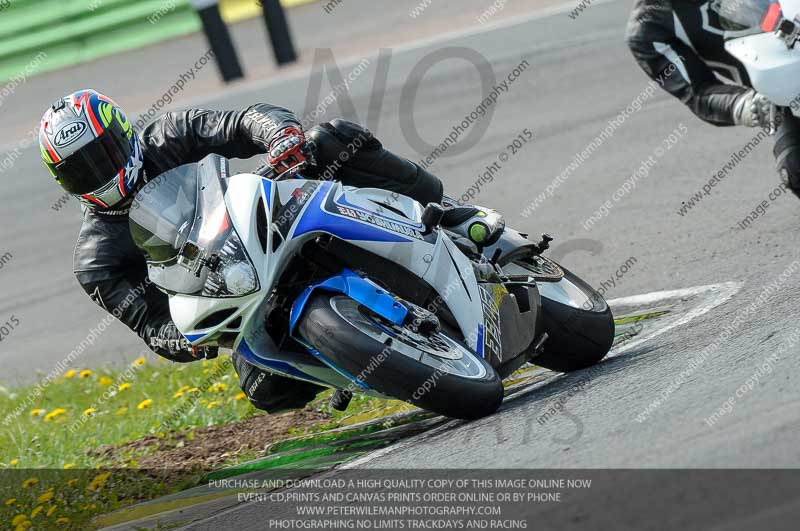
(581, 76)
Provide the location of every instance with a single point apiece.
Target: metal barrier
(74, 31)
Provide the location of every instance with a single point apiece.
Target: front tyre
(432, 371)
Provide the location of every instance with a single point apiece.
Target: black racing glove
(170, 344)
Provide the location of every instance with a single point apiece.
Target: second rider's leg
(787, 151)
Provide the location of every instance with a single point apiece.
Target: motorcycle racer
(681, 44)
(91, 149)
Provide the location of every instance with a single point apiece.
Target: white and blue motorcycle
(360, 290)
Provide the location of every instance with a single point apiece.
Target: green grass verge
(86, 409)
(49, 432)
(52, 472)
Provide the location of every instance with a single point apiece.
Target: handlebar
(265, 171)
(269, 172)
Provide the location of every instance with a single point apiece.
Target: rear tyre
(434, 371)
(577, 320)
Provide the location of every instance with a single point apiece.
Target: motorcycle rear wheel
(577, 319)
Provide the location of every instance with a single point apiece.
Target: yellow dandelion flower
(18, 519)
(37, 412)
(85, 373)
(14, 462)
(124, 387)
(122, 411)
(70, 373)
(63, 520)
(193, 390)
(69, 465)
(36, 511)
(55, 414)
(72, 482)
(30, 482)
(240, 396)
(205, 363)
(206, 371)
(106, 381)
(89, 412)
(140, 361)
(23, 526)
(99, 481)
(218, 387)
(145, 404)
(51, 510)
(184, 389)
(212, 405)
(11, 501)
(46, 497)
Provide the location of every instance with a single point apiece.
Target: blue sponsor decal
(316, 218)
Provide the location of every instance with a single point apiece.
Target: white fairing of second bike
(434, 258)
(774, 70)
(790, 8)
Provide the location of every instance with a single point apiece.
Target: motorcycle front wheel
(432, 371)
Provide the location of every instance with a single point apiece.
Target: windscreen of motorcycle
(748, 17)
(179, 221)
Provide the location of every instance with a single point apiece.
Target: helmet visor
(744, 17)
(96, 164)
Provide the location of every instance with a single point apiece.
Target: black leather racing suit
(112, 270)
(680, 44)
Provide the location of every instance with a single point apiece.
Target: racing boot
(482, 226)
(270, 392)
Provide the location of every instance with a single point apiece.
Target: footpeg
(544, 243)
(538, 348)
(341, 399)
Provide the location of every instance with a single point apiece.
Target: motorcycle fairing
(510, 321)
(275, 365)
(298, 210)
(772, 66)
(318, 218)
